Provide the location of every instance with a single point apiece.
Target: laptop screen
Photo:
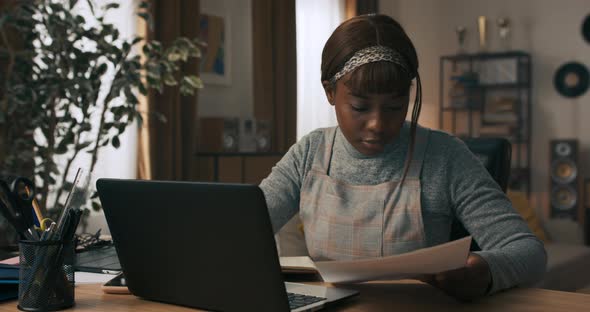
(204, 245)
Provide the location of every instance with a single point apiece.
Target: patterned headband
(370, 55)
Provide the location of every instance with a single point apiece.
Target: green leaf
(153, 70)
(156, 45)
(85, 127)
(144, 15)
(174, 56)
(185, 90)
(61, 149)
(169, 80)
(196, 53)
(53, 168)
(161, 117)
(194, 81)
(116, 34)
(115, 142)
(112, 5)
(84, 145)
(142, 89)
(147, 18)
(80, 20)
(67, 139)
(121, 127)
(139, 119)
(73, 3)
(102, 69)
(96, 206)
(136, 40)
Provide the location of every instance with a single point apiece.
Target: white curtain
(316, 20)
(112, 162)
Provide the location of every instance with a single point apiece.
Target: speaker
(247, 135)
(263, 136)
(565, 183)
(230, 137)
(218, 134)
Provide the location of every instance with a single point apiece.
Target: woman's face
(368, 121)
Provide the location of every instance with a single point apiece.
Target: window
(315, 22)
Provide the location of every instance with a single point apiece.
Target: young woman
(377, 185)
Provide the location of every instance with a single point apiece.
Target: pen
(54, 267)
(48, 234)
(36, 207)
(60, 221)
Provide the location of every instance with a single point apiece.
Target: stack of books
(8, 281)
(462, 93)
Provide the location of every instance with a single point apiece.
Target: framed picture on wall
(214, 23)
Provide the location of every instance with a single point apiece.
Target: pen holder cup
(46, 275)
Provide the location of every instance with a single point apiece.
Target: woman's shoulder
(440, 140)
(308, 144)
(315, 137)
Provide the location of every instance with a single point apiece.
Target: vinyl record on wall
(586, 28)
(572, 79)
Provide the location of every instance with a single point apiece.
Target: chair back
(495, 154)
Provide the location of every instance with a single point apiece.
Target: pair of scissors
(45, 224)
(16, 205)
(24, 192)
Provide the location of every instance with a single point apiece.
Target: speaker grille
(564, 171)
(564, 197)
(563, 149)
(564, 180)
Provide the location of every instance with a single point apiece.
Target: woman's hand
(465, 284)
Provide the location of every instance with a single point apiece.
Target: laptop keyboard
(96, 260)
(299, 300)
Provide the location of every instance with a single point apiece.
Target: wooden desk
(385, 296)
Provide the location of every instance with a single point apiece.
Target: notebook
(298, 265)
(9, 278)
(178, 242)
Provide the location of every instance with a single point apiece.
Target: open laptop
(101, 259)
(202, 245)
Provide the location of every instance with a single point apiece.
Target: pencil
(36, 207)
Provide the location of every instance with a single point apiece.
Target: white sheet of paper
(440, 258)
(92, 278)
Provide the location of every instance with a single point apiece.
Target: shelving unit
(489, 94)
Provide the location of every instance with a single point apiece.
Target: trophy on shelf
(481, 28)
(461, 31)
(504, 32)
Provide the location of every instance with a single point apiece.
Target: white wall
(550, 30)
(235, 99)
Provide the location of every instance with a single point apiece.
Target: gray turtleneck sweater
(454, 184)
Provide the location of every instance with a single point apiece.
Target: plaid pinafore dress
(344, 221)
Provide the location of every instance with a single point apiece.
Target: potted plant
(71, 87)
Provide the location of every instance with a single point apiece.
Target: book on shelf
(506, 118)
(497, 131)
